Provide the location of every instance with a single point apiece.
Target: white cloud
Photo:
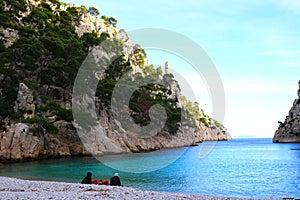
(255, 85)
(289, 5)
(242, 85)
(286, 53)
(291, 65)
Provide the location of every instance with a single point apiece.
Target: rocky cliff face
(289, 130)
(23, 141)
(39, 123)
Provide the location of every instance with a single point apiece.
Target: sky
(254, 46)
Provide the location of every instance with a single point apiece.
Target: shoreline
(13, 188)
(25, 160)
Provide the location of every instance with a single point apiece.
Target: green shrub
(83, 9)
(94, 11)
(112, 21)
(74, 12)
(44, 122)
(148, 95)
(56, 109)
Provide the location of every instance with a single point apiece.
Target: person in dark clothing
(87, 179)
(115, 180)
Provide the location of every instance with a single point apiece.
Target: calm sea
(238, 168)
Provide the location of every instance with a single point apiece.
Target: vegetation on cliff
(197, 114)
(49, 52)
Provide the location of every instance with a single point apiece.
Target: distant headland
(289, 130)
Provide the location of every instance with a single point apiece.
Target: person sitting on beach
(87, 179)
(115, 180)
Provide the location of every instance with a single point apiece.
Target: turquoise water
(238, 168)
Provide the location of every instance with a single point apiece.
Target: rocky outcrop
(289, 130)
(18, 143)
(90, 23)
(9, 36)
(23, 142)
(27, 142)
(25, 101)
(210, 133)
(31, 141)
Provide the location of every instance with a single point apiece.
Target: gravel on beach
(12, 188)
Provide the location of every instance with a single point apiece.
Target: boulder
(18, 143)
(25, 101)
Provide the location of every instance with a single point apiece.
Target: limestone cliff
(289, 130)
(42, 44)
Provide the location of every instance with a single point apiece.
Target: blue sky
(254, 45)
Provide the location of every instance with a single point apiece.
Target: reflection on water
(241, 168)
(137, 163)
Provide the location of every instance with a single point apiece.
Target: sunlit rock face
(289, 130)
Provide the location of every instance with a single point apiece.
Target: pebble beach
(12, 188)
